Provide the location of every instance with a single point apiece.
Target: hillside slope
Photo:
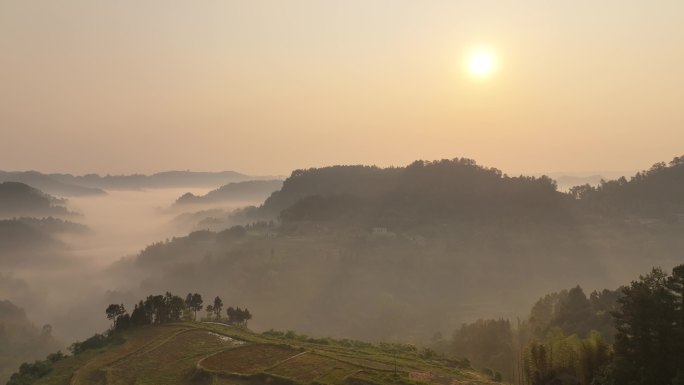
(212, 353)
(422, 192)
(407, 251)
(20, 339)
(19, 199)
(252, 190)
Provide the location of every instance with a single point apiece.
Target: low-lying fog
(121, 223)
(124, 222)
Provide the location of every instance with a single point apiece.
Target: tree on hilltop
(218, 306)
(194, 303)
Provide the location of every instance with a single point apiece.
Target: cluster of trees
(159, 309)
(30, 373)
(656, 192)
(567, 319)
(575, 313)
(630, 336)
(648, 347)
(649, 343)
(154, 310)
(237, 316)
(564, 360)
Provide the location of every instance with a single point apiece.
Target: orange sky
(268, 86)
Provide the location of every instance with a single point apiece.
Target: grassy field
(208, 353)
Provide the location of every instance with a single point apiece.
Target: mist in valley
(378, 254)
(488, 191)
(63, 282)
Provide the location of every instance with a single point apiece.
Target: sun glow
(481, 63)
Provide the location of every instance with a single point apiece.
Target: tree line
(160, 309)
(630, 336)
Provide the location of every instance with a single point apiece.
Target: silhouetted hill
(423, 192)
(255, 191)
(362, 181)
(19, 199)
(461, 190)
(48, 184)
(165, 179)
(654, 193)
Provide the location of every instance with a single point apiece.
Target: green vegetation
(213, 353)
(568, 338)
(30, 373)
(162, 309)
(649, 344)
(648, 317)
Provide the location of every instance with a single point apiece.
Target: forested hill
(19, 199)
(253, 190)
(408, 251)
(445, 190)
(461, 190)
(656, 192)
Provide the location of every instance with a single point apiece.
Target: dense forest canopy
(460, 189)
(445, 190)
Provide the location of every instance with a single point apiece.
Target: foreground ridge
(215, 353)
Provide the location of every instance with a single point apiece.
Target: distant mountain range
(48, 183)
(167, 179)
(69, 185)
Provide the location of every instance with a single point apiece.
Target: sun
(481, 63)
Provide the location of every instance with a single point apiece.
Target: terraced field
(249, 359)
(199, 354)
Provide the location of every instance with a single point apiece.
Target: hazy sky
(269, 86)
